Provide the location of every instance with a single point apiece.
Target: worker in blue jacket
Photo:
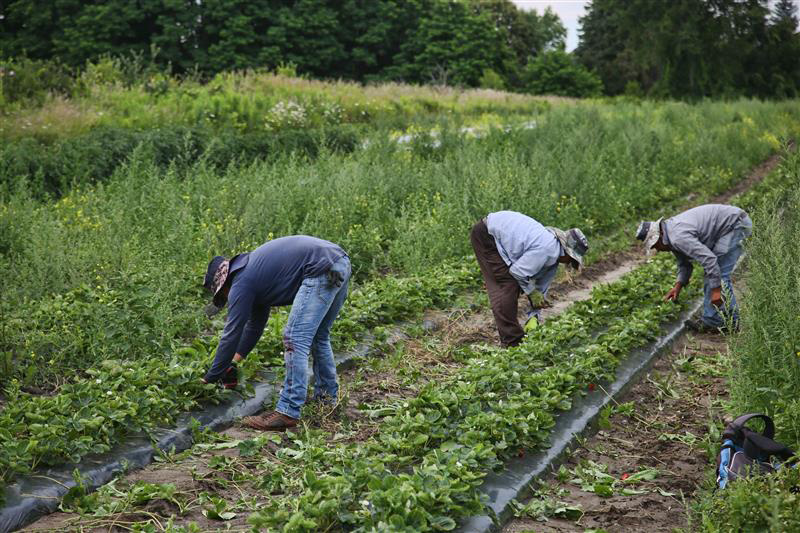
(311, 275)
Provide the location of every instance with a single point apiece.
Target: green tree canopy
(453, 41)
(557, 72)
(692, 48)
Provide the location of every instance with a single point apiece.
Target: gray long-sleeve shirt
(529, 249)
(701, 234)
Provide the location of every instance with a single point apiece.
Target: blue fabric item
(267, 277)
(725, 461)
(529, 249)
(726, 262)
(315, 307)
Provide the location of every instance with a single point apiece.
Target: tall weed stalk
(766, 355)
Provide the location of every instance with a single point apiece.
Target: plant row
(764, 359)
(117, 397)
(54, 168)
(422, 470)
(111, 270)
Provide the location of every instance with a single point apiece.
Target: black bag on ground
(745, 452)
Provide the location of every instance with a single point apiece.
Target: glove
(531, 324)
(537, 300)
(230, 379)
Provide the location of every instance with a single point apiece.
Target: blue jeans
(315, 307)
(727, 261)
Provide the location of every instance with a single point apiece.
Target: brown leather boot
(273, 421)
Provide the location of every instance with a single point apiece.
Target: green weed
(764, 372)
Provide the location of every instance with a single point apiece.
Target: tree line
(693, 48)
(417, 41)
(675, 48)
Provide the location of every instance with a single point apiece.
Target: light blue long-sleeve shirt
(529, 249)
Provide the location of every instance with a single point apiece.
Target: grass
(765, 360)
(113, 269)
(253, 101)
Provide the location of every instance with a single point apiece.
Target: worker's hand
(716, 297)
(673, 293)
(537, 300)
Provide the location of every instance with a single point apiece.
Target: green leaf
(647, 474)
(212, 514)
(603, 490)
(218, 445)
(443, 523)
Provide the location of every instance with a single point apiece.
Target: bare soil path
(661, 427)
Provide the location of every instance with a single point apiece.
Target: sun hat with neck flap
(649, 231)
(574, 243)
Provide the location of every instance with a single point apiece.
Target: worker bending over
(517, 253)
(712, 235)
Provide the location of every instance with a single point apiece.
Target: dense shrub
(30, 81)
(52, 168)
(557, 72)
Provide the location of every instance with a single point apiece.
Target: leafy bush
(557, 72)
(30, 81)
(492, 80)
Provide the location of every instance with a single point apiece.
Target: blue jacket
(267, 277)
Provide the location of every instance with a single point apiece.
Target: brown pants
(503, 289)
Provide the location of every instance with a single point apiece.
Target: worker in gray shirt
(518, 254)
(712, 235)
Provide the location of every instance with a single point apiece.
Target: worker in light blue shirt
(518, 254)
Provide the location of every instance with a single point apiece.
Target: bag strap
(758, 446)
(734, 430)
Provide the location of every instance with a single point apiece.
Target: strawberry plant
(92, 414)
(434, 449)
